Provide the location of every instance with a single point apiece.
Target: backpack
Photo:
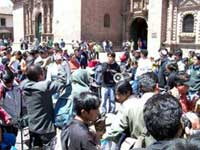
(99, 74)
(64, 111)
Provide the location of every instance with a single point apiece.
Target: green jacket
(194, 72)
(130, 118)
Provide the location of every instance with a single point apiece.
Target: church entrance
(39, 26)
(138, 33)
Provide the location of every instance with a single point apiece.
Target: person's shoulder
(78, 129)
(130, 101)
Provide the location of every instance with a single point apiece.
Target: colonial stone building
(173, 23)
(6, 22)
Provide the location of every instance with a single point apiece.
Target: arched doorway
(138, 31)
(38, 27)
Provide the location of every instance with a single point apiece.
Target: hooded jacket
(80, 81)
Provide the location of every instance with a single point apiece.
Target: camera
(186, 122)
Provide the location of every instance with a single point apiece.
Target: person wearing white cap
(59, 69)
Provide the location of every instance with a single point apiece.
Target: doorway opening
(39, 27)
(138, 33)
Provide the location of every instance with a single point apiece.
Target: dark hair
(86, 101)
(18, 53)
(7, 75)
(172, 66)
(33, 72)
(162, 114)
(123, 87)
(144, 52)
(112, 54)
(181, 78)
(178, 52)
(148, 81)
(192, 143)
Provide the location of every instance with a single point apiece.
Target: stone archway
(139, 31)
(38, 26)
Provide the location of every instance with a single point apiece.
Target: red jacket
(186, 104)
(4, 116)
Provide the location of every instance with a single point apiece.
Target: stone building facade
(170, 23)
(6, 22)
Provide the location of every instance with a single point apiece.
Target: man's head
(162, 116)
(111, 57)
(182, 82)
(8, 77)
(144, 53)
(123, 90)
(58, 58)
(35, 73)
(171, 66)
(197, 59)
(178, 54)
(43, 53)
(86, 106)
(163, 52)
(148, 82)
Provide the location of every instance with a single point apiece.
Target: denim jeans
(108, 97)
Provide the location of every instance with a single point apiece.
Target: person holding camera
(77, 135)
(162, 117)
(165, 121)
(180, 90)
(130, 119)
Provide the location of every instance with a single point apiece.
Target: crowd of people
(138, 102)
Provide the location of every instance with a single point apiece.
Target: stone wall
(67, 20)
(154, 27)
(18, 22)
(92, 20)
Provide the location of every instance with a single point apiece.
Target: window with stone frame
(2, 22)
(107, 21)
(188, 23)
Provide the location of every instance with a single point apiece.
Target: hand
(8, 121)
(194, 119)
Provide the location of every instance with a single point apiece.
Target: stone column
(33, 23)
(154, 27)
(131, 5)
(26, 22)
(169, 21)
(198, 28)
(43, 24)
(30, 22)
(48, 18)
(174, 25)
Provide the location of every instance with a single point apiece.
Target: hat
(178, 52)
(198, 56)
(182, 78)
(163, 51)
(58, 57)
